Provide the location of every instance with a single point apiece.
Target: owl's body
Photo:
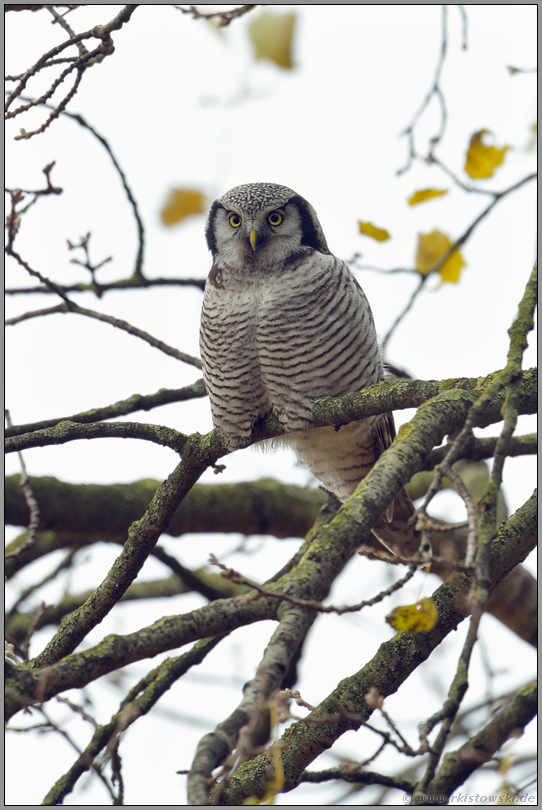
(284, 325)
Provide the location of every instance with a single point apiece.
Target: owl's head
(262, 223)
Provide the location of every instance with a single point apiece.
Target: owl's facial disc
(261, 240)
(252, 229)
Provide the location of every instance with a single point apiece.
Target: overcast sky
(184, 105)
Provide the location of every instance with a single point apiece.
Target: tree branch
(105, 48)
(138, 702)
(222, 18)
(76, 511)
(496, 198)
(458, 765)
(358, 777)
(216, 746)
(338, 540)
(391, 666)
(78, 515)
(70, 306)
(478, 449)
(384, 397)
(137, 402)
(72, 431)
(132, 283)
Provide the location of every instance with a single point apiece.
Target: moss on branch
(252, 507)
(387, 396)
(391, 666)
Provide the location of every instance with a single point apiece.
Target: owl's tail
(340, 460)
(399, 535)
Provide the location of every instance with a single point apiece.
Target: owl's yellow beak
(253, 237)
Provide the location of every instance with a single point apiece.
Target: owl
(285, 324)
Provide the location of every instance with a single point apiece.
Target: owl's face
(260, 225)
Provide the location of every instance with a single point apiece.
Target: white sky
(330, 130)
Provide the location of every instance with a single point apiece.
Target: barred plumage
(285, 324)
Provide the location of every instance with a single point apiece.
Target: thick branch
(514, 602)
(34, 684)
(387, 396)
(18, 625)
(337, 541)
(479, 449)
(79, 514)
(215, 747)
(142, 537)
(72, 431)
(325, 555)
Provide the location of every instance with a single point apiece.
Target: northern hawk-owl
(285, 324)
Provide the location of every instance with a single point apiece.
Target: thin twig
(138, 269)
(81, 64)
(123, 284)
(17, 195)
(472, 536)
(223, 18)
(478, 449)
(434, 91)
(497, 197)
(70, 306)
(61, 20)
(358, 776)
(311, 604)
(31, 502)
(44, 280)
(54, 726)
(38, 614)
(78, 710)
(35, 586)
(376, 701)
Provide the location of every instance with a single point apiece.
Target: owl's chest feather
(250, 307)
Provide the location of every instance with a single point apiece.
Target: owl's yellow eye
(235, 220)
(275, 218)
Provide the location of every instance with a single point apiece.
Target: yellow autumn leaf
(272, 36)
(531, 145)
(431, 248)
(506, 796)
(417, 618)
(182, 203)
(482, 159)
(506, 763)
(368, 229)
(425, 194)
